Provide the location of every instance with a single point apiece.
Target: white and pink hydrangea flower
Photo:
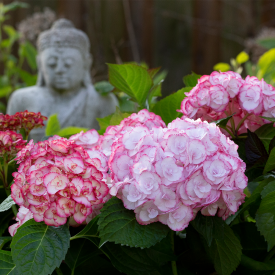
(177, 171)
(222, 94)
(58, 179)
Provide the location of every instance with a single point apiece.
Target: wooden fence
(179, 35)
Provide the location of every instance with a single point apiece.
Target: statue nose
(60, 68)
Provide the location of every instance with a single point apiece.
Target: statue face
(63, 68)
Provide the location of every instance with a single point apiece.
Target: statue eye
(52, 62)
(68, 62)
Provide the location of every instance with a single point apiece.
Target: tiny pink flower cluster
(169, 174)
(219, 95)
(113, 133)
(58, 179)
(10, 144)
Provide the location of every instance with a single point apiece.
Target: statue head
(63, 57)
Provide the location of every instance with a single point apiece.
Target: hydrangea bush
(182, 186)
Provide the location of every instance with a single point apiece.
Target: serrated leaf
(167, 107)
(252, 203)
(136, 261)
(132, 79)
(152, 72)
(270, 164)
(118, 224)
(242, 57)
(254, 148)
(69, 131)
(53, 126)
(191, 80)
(38, 248)
(205, 226)
(6, 204)
(265, 214)
(225, 252)
(223, 67)
(7, 267)
(266, 133)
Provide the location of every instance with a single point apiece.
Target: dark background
(179, 35)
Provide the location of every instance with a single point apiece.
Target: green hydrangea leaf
(38, 248)
(53, 126)
(167, 107)
(118, 224)
(132, 79)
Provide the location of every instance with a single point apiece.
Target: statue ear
(40, 78)
(88, 62)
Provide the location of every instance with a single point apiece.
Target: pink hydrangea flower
(220, 95)
(175, 172)
(58, 179)
(23, 215)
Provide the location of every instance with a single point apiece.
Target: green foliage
(14, 76)
(268, 43)
(222, 245)
(53, 126)
(167, 107)
(191, 80)
(38, 248)
(69, 131)
(266, 66)
(6, 204)
(223, 122)
(136, 261)
(118, 224)
(132, 79)
(113, 119)
(242, 57)
(103, 87)
(265, 215)
(5, 218)
(7, 267)
(223, 67)
(266, 133)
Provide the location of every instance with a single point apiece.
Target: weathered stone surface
(64, 85)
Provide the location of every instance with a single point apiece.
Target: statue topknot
(64, 34)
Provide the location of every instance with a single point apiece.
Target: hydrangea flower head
(220, 95)
(57, 179)
(169, 174)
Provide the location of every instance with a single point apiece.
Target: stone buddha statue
(64, 85)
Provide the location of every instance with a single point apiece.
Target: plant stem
(173, 263)
(228, 131)
(242, 121)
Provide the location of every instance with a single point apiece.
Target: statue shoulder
(106, 103)
(21, 99)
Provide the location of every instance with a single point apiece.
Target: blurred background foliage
(181, 36)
